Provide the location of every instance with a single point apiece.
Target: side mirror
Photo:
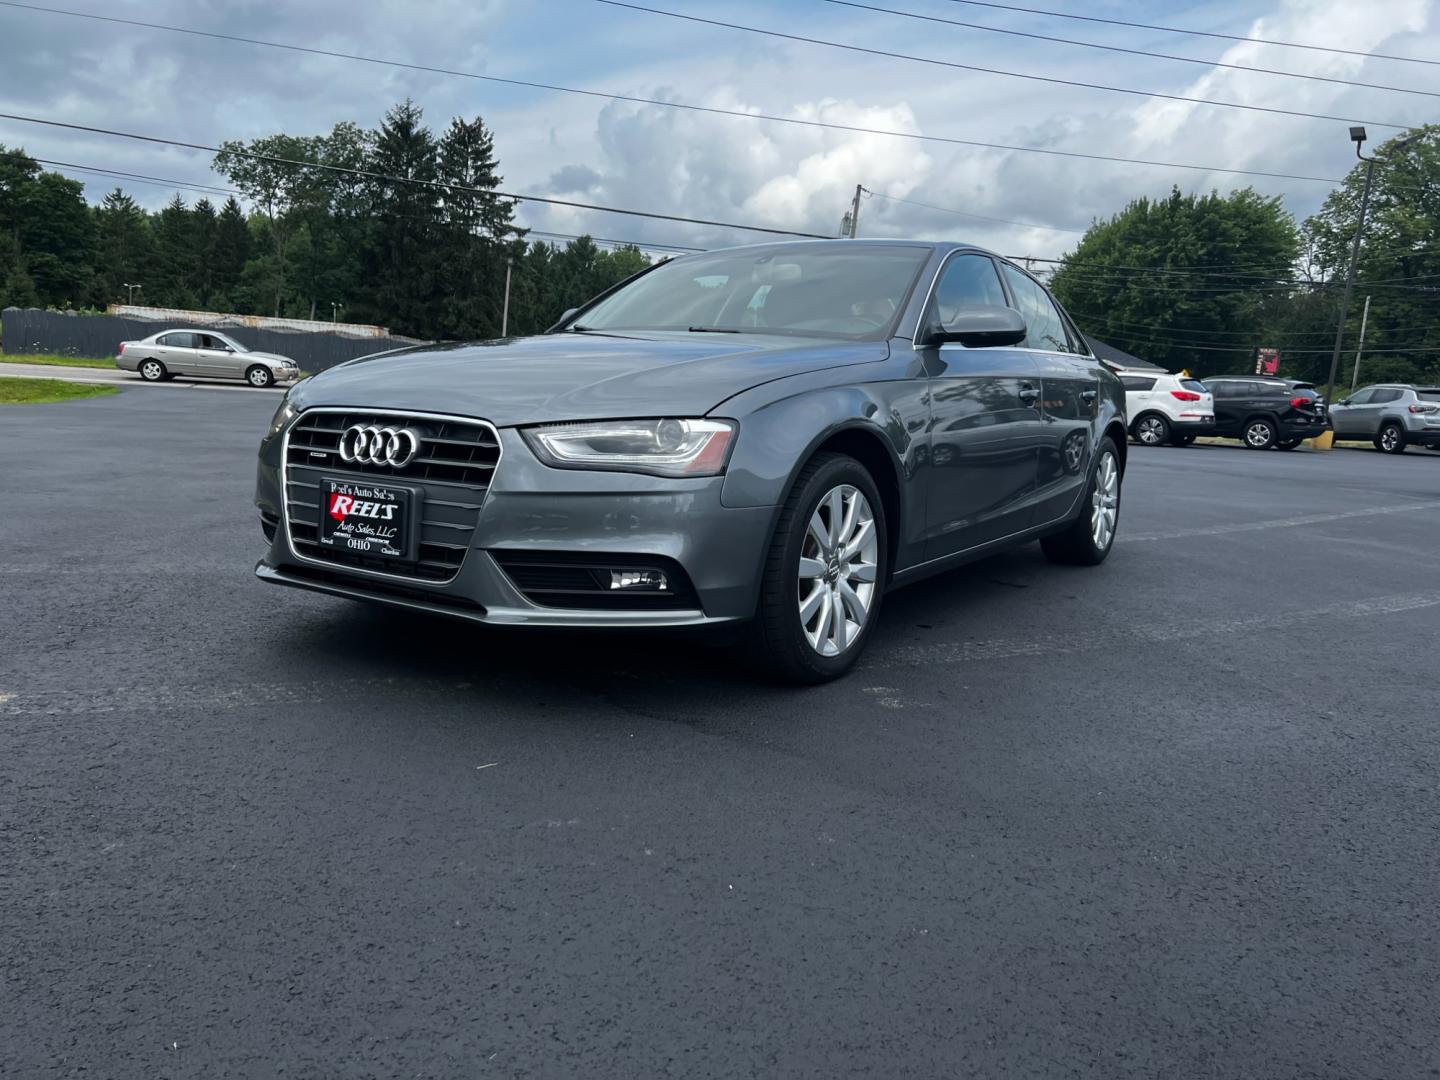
(1343, 401)
(980, 326)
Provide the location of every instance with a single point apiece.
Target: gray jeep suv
(771, 435)
(1393, 416)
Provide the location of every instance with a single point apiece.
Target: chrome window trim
(342, 411)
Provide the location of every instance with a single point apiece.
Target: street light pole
(1360, 348)
(131, 295)
(1357, 135)
(505, 312)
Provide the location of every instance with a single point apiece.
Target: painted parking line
(1276, 523)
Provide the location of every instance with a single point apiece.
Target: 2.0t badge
(366, 519)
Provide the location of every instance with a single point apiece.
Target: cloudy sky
(647, 157)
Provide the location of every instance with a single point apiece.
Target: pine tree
(232, 252)
(173, 278)
(204, 231)
(126, 248)
(404, 223)
(477, 232)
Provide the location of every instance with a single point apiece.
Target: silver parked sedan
(205, 353)
(773, 436)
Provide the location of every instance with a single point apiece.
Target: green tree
(126, 249)
(273, 174)
(478, 232)
(174, 273)
(232, 252)
(1399, 264)
(1183, 281)
(404, 223)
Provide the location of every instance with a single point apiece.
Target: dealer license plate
(367, 519)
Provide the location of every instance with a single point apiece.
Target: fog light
(649, 580)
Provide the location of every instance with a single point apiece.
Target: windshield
(233, 343)
(828, 290)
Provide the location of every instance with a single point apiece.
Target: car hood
(268, 357)
(571, 376)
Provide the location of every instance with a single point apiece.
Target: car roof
(929, 245)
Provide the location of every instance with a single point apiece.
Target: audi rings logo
(368, 444)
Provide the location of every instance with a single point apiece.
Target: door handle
(1029, 395)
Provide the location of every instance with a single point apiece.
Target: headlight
(662, 447)
(283, 416)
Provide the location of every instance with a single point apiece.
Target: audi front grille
(453, 466)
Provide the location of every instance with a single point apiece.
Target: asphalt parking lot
(1174, 817)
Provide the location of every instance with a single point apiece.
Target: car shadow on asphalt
(399, 644)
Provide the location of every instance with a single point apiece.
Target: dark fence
(31, 330)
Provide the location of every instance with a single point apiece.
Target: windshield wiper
(712, 330)
(578, 329)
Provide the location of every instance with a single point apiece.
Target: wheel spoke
(836, 503)
(822, 628)
(852, 602)
(818, 532)
(860, 539)
(811, 568)
(838, 622)
(811, 603)
(862, 572)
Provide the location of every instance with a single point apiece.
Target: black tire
(1077, 544)
(259, 376)
(1391, 439)
(1288, 444)
(152, 370)
(1152, 429)
(779, 640)
(1182, 440)
(1259, 433)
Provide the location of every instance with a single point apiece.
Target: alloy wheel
(1150, 431)
(1390, 439)
(1105, 502)
(839, 564)
(150, 369)
(1258, 436)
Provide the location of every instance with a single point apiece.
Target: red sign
(1267, 361)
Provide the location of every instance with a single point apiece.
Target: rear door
(985, 422)
(1070, 386)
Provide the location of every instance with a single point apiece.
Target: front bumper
(533, 508)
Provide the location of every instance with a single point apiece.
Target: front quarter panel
(782, 424)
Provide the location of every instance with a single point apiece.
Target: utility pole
(1360, 348)
(132, 288)
(505, 312)
(1357, 136)
(855, 212)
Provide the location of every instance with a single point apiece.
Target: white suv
(1162, 409)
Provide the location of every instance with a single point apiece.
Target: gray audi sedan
(770, 436)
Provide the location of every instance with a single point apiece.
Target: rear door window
(1132, 382)
(179, 340)
(1386, 395)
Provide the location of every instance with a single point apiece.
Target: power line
(1190, 33)
(1054, 80)
(1134, 52)
(140, 178)
(438, 184)
(706, 109)
(967, 214)
(643, 244)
